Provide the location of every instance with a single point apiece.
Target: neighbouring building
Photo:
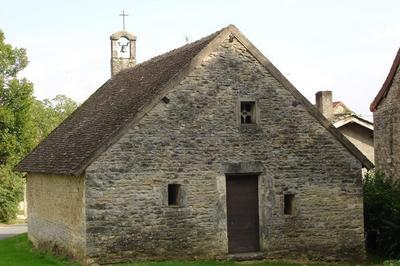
(359, 131)
(386, 109)
(204, 152)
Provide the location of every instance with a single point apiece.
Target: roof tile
(106, 111)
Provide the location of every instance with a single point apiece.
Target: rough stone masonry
(187, 140)
(194, 138)
(386, 108)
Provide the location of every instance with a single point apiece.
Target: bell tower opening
(123, 49)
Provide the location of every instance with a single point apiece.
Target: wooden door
(242, 213)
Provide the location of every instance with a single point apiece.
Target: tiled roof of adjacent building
(342, 115)
(336, 103)
(102, 118)
(340, 111)
(388, 82)
(350, 119)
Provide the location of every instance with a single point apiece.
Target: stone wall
(190, 139)
(56, 217)
(118, 64)
(387, 132)
(361, 137)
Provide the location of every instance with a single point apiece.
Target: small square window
(247, 112)
(174, 191)
(289, 205)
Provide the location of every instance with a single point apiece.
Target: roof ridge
(124, 99)
(155, 59)
(300, 97)
(94, 125)
(170, 52)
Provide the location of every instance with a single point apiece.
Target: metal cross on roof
(123, 15)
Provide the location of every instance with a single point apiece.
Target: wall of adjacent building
(188, 140)
(387, 132)
(56, 216)
(361, 137)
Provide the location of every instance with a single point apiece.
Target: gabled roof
(354, 119)
(71, 146)
(343, 116)
(126, 97)
(387, 84)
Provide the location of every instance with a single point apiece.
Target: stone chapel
(204, 152)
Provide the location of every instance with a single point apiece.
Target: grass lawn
(18, 251)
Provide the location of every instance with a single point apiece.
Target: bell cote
(123, 51)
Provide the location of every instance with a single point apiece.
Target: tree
(16, 125)
(12, 60)
(11, 193)
(24, 122)
(50, 113)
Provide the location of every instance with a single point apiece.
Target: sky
(346, 46)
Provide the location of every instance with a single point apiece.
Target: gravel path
(8, 230)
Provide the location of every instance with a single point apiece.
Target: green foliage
(16, 98)
(50, 113)
(24, 122)
(12, 60)
(11, 193)
(16, 125)
(382, 215)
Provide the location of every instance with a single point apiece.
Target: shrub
(11, 193)
(382, 215)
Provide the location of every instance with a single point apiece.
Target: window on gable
(288, 204)
(174, 191)
(247, 112)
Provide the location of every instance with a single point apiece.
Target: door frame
(257, 176)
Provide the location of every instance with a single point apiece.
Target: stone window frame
(174, 194)
(256, 111)
(181, 195)
(296, 206)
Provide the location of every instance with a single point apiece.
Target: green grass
(18, 251)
